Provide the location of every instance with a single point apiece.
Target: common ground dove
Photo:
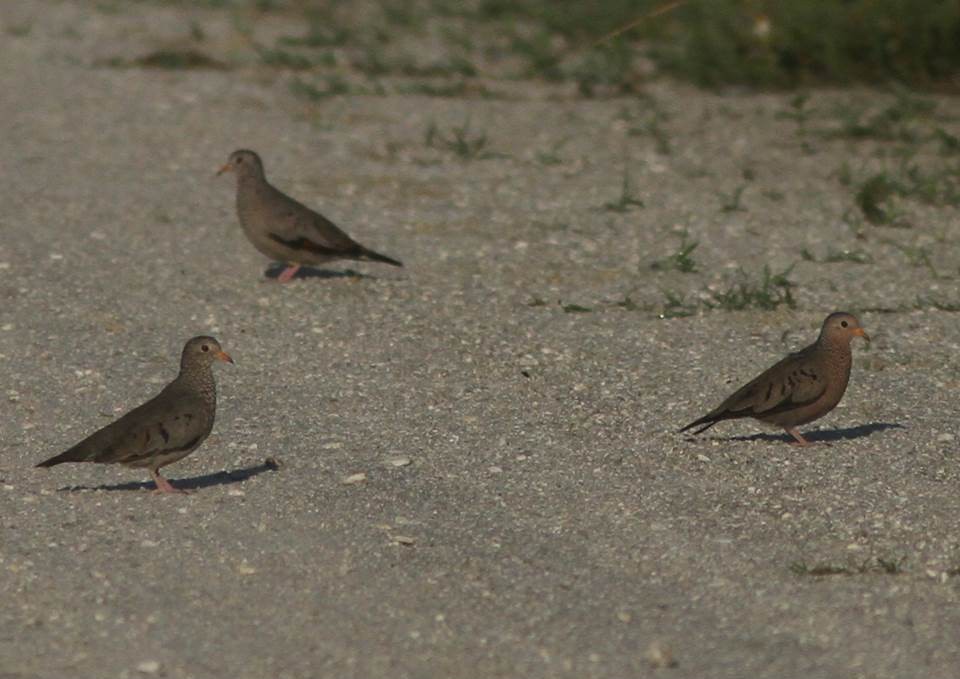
(285, 230)
(166, 428)
(799, 389)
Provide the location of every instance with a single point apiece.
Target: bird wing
(794, 382)
(296, 226)
(170, 422)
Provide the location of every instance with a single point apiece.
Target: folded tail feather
(377, 257)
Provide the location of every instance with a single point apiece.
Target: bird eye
(239, 159)
(204, 348)
(843, 323)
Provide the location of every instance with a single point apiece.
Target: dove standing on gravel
(166, 428)
(285, 230)
(799, 389)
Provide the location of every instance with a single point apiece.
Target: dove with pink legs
(166, 428)
(285, 230)
(801, 388)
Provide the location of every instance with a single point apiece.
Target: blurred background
(602, 47)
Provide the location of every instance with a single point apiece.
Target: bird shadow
(222, 478)
(274, 270)
(824, 435)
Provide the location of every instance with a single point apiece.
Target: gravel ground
(478, 471)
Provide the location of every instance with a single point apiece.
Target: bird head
(203, 350)
(243, 163)
(842, 327)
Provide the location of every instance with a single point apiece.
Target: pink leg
(288, 273)
(795, 433)
(163, 486)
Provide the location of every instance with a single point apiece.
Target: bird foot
(287, 274)
(164, 487)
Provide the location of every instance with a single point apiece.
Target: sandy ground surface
(526, 508)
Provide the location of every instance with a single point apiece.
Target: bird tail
(75, 454)
(707, 420)
(377, 257)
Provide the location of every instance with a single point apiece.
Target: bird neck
(249, 179)
(838, 353)
(201, 380)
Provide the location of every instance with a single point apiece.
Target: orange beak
(225, 168)
(860, 332)
(223, 356)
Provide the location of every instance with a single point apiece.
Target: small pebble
(148, 667)
(945, 438)
(660, 655)
(403, 540)
(359, 477)
(398, 462)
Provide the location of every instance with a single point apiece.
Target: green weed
(460, 140)
(768, 292)
(627, 200)
(681, 260)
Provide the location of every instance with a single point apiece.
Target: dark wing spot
(783, 390)
(769, 391)
(165, 434)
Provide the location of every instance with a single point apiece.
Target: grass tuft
(769, 291)
(681, 260)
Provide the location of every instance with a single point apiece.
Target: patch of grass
(797, 111)
(459, 139)
(769, 291)
(542, 59)
(873, 198)
(324, 29)
(949, 144)
(628, 304)
(928, 303)
(608, 66)
(552, 155)
(854, 256)
(335, 85)
(457, 88)
(676, 306)
(877, 565)
(733, 202)
(178, 59)
(281, 58)
(627, 200)
(649, 123)
(575, 309)
(917, 256)
(814, 41)
(876, 196)
(837, 256)
(895, 122)
(681, 260)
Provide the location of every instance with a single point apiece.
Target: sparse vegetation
(732, 202)
(681, 260)
(676, 306)
(770, 291)
(877, 565)
(459, 139)
(627, 200)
